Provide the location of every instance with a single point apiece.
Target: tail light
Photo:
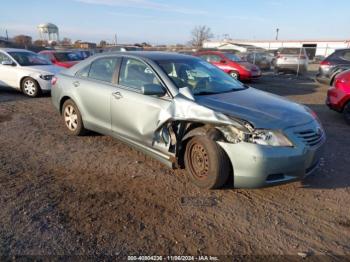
(325, 63)
(54, 81)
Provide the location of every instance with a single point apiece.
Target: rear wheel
(30, 87)
(72, 118)
(346, 113)
(206, 163)
(234, 74)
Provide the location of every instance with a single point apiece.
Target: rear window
(291, 51)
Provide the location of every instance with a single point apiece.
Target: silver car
(189, 114)
(291, 59)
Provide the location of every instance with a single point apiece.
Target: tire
(72, 118)
(234, 74)
(346, 113)
(206, 163)
(30, 87)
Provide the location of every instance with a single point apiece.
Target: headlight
(46, 77)
(257, 136)
(270, 138)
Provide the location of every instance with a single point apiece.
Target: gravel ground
(93, 195)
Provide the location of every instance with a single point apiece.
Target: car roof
(152, 55)
(14, 50)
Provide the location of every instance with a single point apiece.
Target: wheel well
(63, 99)
(196, 129)
(21, 82)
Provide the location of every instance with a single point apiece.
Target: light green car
(189, 114)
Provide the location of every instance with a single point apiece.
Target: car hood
(43, 69)
(262, 109)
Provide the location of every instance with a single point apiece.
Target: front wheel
(30, 87)
(234, 74)
(206, 163)
(346, 113)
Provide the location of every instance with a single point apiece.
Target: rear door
(135, 115)
(95, 84)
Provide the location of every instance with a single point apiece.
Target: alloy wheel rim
(234, 75)
(29, 87)
(199, 161)
(71, 118)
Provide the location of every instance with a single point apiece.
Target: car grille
(311, 137)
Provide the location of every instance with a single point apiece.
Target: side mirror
(8, 63)
(153, 90)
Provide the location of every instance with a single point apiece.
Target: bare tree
(23, 40)
(66, 41)
(200, 34)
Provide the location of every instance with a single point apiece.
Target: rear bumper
(336, 98)
(291, 67)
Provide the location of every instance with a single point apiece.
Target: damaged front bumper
(259, 165)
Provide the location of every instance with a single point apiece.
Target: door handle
(117, 95)
(76, 83)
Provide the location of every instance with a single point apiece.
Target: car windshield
(201, 77)
(233, 57)
(67, 56)
(29, 59)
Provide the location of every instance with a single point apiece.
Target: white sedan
(26, 71)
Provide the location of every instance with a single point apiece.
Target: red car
(338, 97)
(231, 64)
(61, 58)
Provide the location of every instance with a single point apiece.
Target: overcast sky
(162, 22)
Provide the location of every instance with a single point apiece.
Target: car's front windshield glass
(233, 57)
(67, 56)
(201, 77)
(29, 59)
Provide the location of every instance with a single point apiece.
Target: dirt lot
(94, 195)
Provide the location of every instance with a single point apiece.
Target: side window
(4, 57)
(83, 72)
(205, 57)
(136, 74)
(346, 55)
(103, 69)
(215, 58)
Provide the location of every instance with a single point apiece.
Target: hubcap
(234, 75)
(70, 117)
(199, 161)
(29, 87)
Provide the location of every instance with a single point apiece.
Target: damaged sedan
(189, 114)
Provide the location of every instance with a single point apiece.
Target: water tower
(48, 32)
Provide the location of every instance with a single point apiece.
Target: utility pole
(277, 30)
(7, 35)
(115, 39)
